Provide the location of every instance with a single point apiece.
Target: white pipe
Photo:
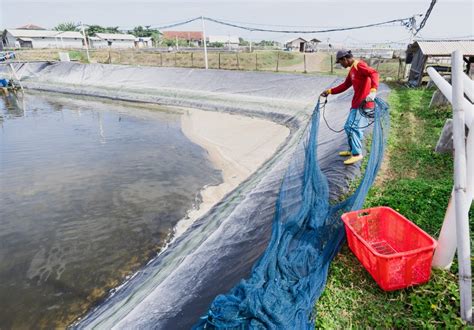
(460, 180)
(446, 89)
(468, 87)
(444, 254)
(205, 46)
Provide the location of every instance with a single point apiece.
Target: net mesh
(306, 235)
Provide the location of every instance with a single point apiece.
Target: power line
(404, 21)
(427, 15)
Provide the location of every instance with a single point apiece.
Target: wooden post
(378, 63)
(238, 62)
(278, 60)
(161, 59)
(219, 65)
(304, 60)
(110, 57)
(192, 60)
(256, 62)
(175, 59)
(332, 64)
(399, 68)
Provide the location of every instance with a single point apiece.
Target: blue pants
(354, 128)
(3, 82)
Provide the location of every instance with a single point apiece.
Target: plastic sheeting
(307, 233)
(219, 249)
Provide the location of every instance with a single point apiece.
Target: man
(365, 81)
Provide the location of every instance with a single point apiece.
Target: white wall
(123, 44)
(69, 43)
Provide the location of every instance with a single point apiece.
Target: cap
(342, 53)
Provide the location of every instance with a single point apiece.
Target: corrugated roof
(69, 34)
(186, 35)
(224, 39)
(44, 34)
(293, 40)
(444, 47)
(30, 27)
(115, 36)
(32, 33)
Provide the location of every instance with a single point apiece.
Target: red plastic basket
(393, 250)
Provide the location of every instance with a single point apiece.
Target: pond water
(89, 191)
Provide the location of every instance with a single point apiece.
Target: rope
(364, 112)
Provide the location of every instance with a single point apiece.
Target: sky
(449, 18)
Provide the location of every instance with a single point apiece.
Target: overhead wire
(403, 21)
(425, 18)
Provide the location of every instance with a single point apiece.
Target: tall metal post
(85, 42)
(204, 41)
(460, 201)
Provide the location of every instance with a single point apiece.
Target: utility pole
(85, 43)
(204, 40)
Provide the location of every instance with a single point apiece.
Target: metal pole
(192, 60)
(238, 61)
(256, 61)
(219, 55)
(332, 64)
(205, 46)
(161, 59)
(85, 42)
(460, 202)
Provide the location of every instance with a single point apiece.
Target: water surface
(89, 191)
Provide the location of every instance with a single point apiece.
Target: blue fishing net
(307, 233)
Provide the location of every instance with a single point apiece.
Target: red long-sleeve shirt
(364, 79)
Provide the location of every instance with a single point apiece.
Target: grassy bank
(417, 182)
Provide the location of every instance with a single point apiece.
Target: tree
(66, 26)
(139, 31)
(93, 29)
(243, 42)
(264, 43)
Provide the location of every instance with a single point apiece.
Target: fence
(260, 60)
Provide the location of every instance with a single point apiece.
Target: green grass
(417, 182)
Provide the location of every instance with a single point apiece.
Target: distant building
(117, 40)
(231, 42)
(29, 38)
(192, 37)
(30, 27)
(298, 44)
(143, 42)
(96, 42)
(420, 51)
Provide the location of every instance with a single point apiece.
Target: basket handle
(363, 214)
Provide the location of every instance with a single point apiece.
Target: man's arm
(342, 87)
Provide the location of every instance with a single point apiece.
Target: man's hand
(325, 93)
(371, 96)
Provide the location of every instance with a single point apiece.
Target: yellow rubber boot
(353, 159)
(345, 153)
